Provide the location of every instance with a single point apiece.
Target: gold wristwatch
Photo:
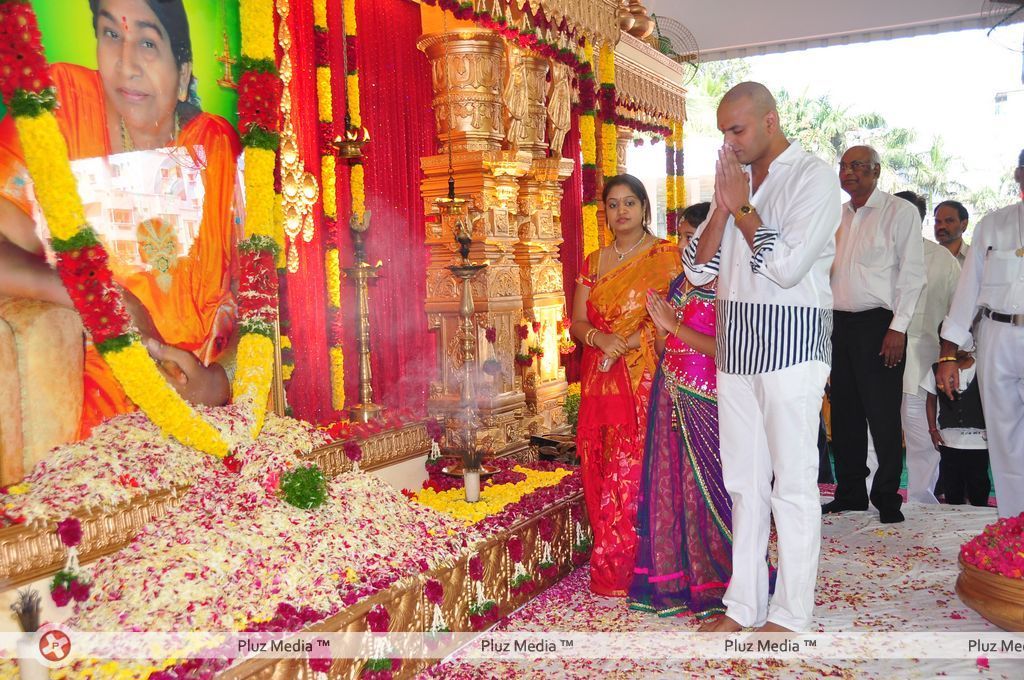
(743, 211)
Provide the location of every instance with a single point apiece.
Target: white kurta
(941, 274)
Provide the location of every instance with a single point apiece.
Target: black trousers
(965, 470)
(865, 396)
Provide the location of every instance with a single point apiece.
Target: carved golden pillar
(540, 233)
(524, 97)
(623, 136)
(469, 113)
(467, 68)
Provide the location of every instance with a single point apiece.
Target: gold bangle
(589, 339)
(945, 359)
(675, 331)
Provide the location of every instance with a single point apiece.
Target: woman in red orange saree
(610, 319)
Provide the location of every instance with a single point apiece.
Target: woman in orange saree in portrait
(141, 97)
(610, 318)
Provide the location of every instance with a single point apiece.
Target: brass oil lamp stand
(361, 274)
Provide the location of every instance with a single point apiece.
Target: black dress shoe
(836, 506)
(890, 516)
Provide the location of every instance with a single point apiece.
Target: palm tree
(934, 175)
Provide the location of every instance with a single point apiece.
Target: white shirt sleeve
(957, 326)
(704, 273)
(784, 253)
(910, 278)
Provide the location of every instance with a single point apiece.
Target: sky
(943, 84)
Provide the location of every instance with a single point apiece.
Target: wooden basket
(998, 598)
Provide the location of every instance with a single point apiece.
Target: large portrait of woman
(143, 86)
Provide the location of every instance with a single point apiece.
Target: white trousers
(922, 458)
(1001, 379)
(769, 427)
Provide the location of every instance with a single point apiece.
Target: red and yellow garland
(608, 133)
(82, 262)
(588, 147)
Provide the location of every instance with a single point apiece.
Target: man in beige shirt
(950, 224)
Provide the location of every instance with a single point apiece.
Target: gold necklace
(615, 247)
(126, 139)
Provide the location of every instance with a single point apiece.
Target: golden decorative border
(380, 450)
(29, 553)
(411, 612)
(646, 77)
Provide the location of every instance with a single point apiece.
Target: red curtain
(305, 293)
(396, 93)
(571, 250)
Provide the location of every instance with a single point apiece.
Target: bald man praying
(770, 241)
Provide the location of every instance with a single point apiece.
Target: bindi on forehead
(124, 23)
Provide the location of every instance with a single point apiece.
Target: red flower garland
(434, 591)
(87, 277)
(69, 531)
(259, 99)
(22, 62)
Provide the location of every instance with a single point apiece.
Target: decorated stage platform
(198, 545)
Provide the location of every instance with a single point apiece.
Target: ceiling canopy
(740, 28)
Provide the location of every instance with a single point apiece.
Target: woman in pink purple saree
(684, 521)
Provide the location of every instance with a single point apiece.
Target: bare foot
(722, 624)
(773, 628)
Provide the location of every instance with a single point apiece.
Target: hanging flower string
(521, 580)
(671, 200)
(482, 609)
(524, 358)
(433, 590)
(546, 532)
(69, 583)
(588, 146)
(532, 30)
(606, 95)
(326, 105)
(380, 666)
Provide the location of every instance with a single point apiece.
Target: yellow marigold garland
(328, 185)
(149, 390)
(493, 499)
(46, 155)
(333, 275)
(320, 12)
(257, 315)
(337, 355)
(259, 193)
(252, 377)
(358, 191)
(256, 20)
(588, 140)
(323, 94)
(680, 177)
(609, 150)
(590, 229)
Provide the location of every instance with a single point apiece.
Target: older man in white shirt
(769, 240)
(877, 278)
(993, 279)
(941, 274)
